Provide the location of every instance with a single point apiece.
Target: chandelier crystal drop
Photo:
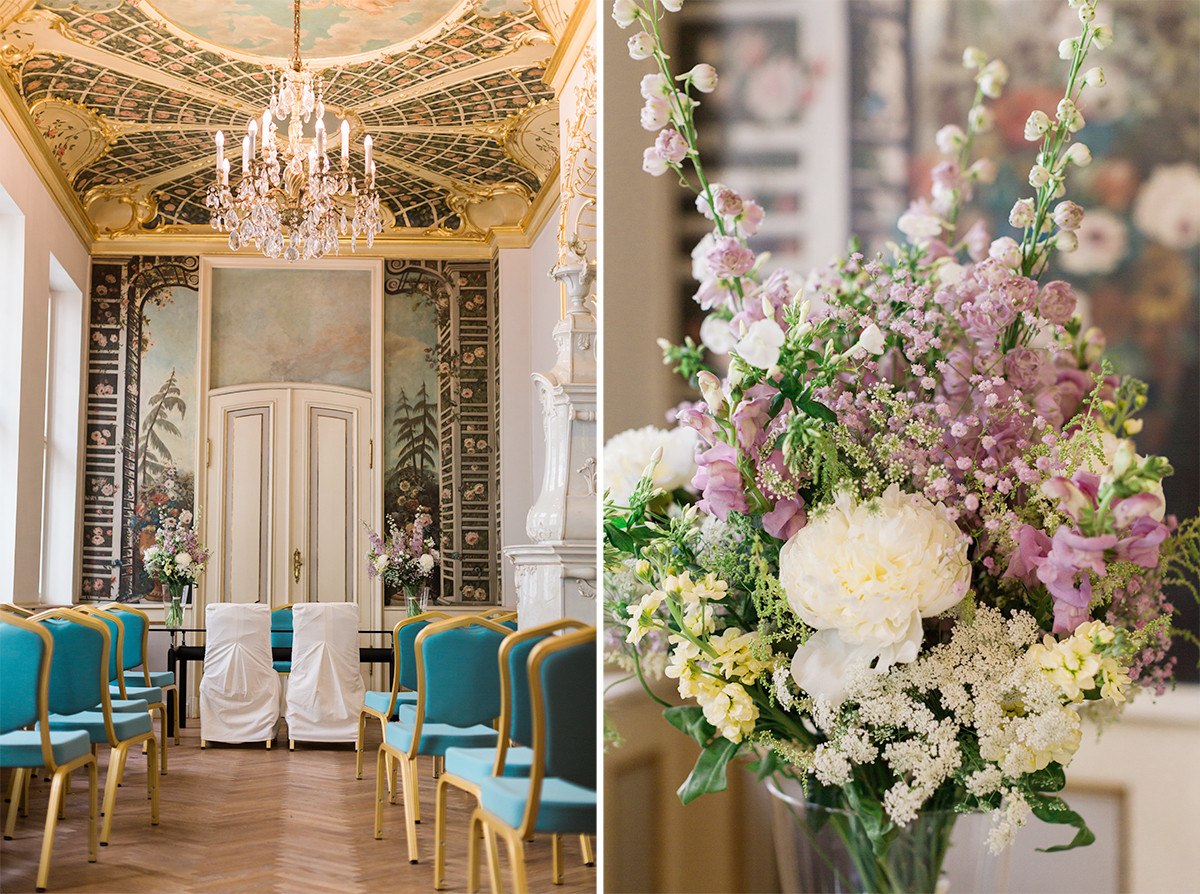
(290, 201)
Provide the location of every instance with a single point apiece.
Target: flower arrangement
(404, 559)
(176, 559)
(921, 541)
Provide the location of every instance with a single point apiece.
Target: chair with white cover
(239, 694)
(325, 686)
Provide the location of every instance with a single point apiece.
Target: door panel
(247, 486)
(291, 479)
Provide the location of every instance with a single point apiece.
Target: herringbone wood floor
(239, 818)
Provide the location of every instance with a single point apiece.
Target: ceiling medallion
(290, 201)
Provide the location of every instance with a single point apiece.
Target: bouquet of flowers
(176, 559)
(923, 541)
(404, 559)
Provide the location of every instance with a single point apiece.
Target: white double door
(289, 483)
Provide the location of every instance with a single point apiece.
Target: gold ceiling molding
(11, 10)
(569, 46)
(75, 135)
(528, 138)
(120, 209)
(553, 14)
(490, 207)
(577, 200)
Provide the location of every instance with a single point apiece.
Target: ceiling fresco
(125, 97)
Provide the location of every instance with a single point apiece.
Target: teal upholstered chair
(125, 698)
(79, 700)
(382, 704)
(559, 795)
(512, 755)
(26, 740)
(282, 628)
(136, 655)
(458, 695)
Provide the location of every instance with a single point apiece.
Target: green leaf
(1050, 779)
(766, 765)
(690, 719)
(1052, 809)
(817, 410)
(709, 773)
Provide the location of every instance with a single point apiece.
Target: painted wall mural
(440, 400)
(291, 325)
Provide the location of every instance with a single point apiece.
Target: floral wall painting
(410, 398)
(166, 443)
(274, 325)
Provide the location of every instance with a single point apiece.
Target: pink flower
(786, 518)
(720, 482)
(656, 113)
(728, 257)
(1056, 302)
(653, 163)
(670, 146)
(703, 77)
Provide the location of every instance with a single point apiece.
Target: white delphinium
(1008, 820)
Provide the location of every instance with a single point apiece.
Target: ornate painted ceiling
(122, 99)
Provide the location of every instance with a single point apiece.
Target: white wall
(529, 307)
(35, 239)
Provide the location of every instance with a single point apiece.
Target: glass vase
(417, 599)
(174, 616)
(827, 850)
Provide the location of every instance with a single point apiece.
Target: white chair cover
(325, 688)
(239, 694)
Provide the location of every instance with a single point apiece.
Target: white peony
(183, 560)
(626, 455)
(864, 575)
(426, 563)
(150, 552)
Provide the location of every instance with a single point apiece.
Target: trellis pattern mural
(440, 415)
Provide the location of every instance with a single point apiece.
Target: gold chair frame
(486, 825)
(61, 772)
(407, 761)
(120, 747)
(367, 712)
(506, 708)
(170, 687)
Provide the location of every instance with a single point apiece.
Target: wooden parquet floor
(239, 818)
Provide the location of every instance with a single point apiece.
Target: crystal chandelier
(290, 201)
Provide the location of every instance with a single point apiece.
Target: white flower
(704, 77)
(653, 163)
(1066, 48)
(672, 5)
(150, 552)
(381, 562)
(868, 573)
(1102, 37)
(1167, 209)
(917, 226)
(625, 12)
(1078, 154)
(1069, 115)
(183, 560)
(185, 517)
(761, 343)
(426, 563)
(716, 334)
(973, 57)
(1094, 77)
(1006, 251)
(1021, 215)
(950, 139)
(1103, 243)
(1066, 241)
(1039, 176)
(982, 119)
(1036, 125)
(626, 455)
(1068, 215)
(710, 390)
(656, 113)
(872, 341)
(655, 85)
(992, 78)
(640, 46)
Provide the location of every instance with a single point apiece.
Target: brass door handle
(297, 564)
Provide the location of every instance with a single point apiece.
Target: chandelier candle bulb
(320, 140)
(245, 155)
(253, 134)
(225, 172)
(345, 144)
(220, 139)
(367, 157)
